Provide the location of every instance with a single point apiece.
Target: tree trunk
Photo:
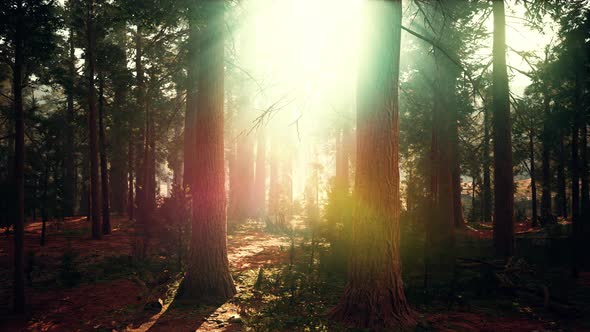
(374, 295)
(84, 202)
(486, 197)
(260, 176)
(208, 275)
(232, 173)
(503, 176)
(141, 154)
(104, 172)
(44, 206)
(456, 174)
(546, 192)
(151, 184)
(118, 172)
(245, 173)
(585, 198)
(274, 187)
(140, 145)
(287, 183)
(130, 186)
(19, 164)
(576, 224)
(533, 182)
(92, 126)
(577, 227)
(442, 223)
(69, 139)
(561, 191)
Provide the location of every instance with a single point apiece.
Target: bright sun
(305, 53)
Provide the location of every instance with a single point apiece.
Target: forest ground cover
(286, 282)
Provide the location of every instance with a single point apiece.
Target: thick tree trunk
(533, 179)
(260, 177)
(19, 164)
(104, 172)
(92, 126)
(208, 275)
(374, 296)
(503, 176)
(69, 139)
(546, 171)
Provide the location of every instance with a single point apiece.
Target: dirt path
(104, 305)
(248, 249)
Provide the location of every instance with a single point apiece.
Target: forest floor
(284, 284)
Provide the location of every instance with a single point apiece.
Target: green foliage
(288, 296)
(39, 22)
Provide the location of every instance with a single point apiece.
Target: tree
(486, 165)
(503, 176)
(92, 123)
(27, 30)
(104, 172)
(546, 167)
(69, 157)
(374, 295)
(274, 186)
(208, 275)
(19, 153)
(259, 194)
(526, 121)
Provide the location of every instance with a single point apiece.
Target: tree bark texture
(208, 275)
(374, 295)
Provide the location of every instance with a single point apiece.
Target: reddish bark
(208, 275)
(374, 296)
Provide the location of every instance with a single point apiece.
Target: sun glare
(304, 57)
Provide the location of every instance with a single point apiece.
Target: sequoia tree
(208, 275)
(374, 295)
